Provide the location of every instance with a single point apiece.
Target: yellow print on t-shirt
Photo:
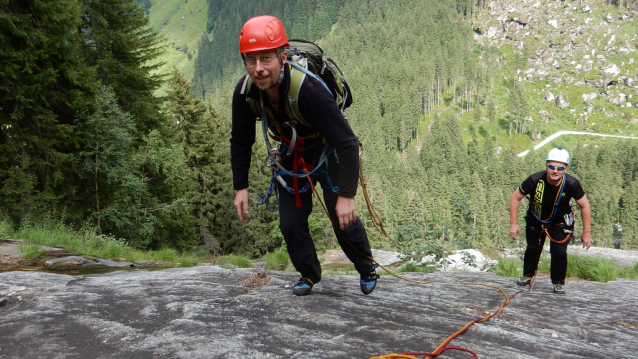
(538, 197)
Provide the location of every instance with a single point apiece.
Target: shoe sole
(370, 291)
(301, 292)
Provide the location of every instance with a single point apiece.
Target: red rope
(443, 347)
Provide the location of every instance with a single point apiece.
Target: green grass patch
(186, 262)
(411, 267)
(87, 242)
(596, 269)
(277, 260)
(237, 261)
(29, 250)
(583, 267)
(509, 267)
(166, 255)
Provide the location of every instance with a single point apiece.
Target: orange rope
(379, 225)
(316, 194)
(443, 346)
(552, 239)
(376, 220)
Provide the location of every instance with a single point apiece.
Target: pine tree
(107, 135)
(123, 48)
(43, 84)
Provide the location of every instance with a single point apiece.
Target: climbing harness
(544, 229)
(295, 147)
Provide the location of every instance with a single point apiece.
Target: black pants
(293, 223)
(535, 242)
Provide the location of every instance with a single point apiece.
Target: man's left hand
(346, 212)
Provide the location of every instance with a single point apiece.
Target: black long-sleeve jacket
(318, 108)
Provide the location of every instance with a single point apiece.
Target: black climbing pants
(558, 251)
(293, 223)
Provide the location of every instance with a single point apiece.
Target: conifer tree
(41, 88)
(107, 135)
(199, 131)
(123, 48)
(628, 217)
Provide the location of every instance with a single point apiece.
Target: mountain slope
(580, 70)
(182, 23)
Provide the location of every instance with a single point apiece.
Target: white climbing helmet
(558, 155)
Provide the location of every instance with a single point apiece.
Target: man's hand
(241, 204)
(587, 240)
(514, 231)
(346, 212)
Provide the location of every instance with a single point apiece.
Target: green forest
(86, 138)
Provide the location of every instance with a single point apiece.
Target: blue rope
(265, 198)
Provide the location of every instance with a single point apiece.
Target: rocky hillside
(581, 69)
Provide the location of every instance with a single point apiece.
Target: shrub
(277, 260)
(29, 250)
(509, 267)
(6, 229)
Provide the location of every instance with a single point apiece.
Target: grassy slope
(589, 34)
(180, 22)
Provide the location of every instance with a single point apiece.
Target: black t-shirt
(543, 197)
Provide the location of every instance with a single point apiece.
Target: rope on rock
(379, 225)
(443, 347)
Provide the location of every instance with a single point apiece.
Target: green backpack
(308, 59)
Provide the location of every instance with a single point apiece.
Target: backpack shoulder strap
(297, 77)
(245, 88)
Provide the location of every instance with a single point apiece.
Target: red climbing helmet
(262, 33)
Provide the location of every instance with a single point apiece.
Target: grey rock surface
(212, 312)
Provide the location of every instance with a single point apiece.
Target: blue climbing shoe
(368, 283)
(303, 287)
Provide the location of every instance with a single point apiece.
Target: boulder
(562, 101)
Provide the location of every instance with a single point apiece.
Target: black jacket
(318, 108)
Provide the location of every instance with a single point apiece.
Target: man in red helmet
(550, 215)
(262, 44)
